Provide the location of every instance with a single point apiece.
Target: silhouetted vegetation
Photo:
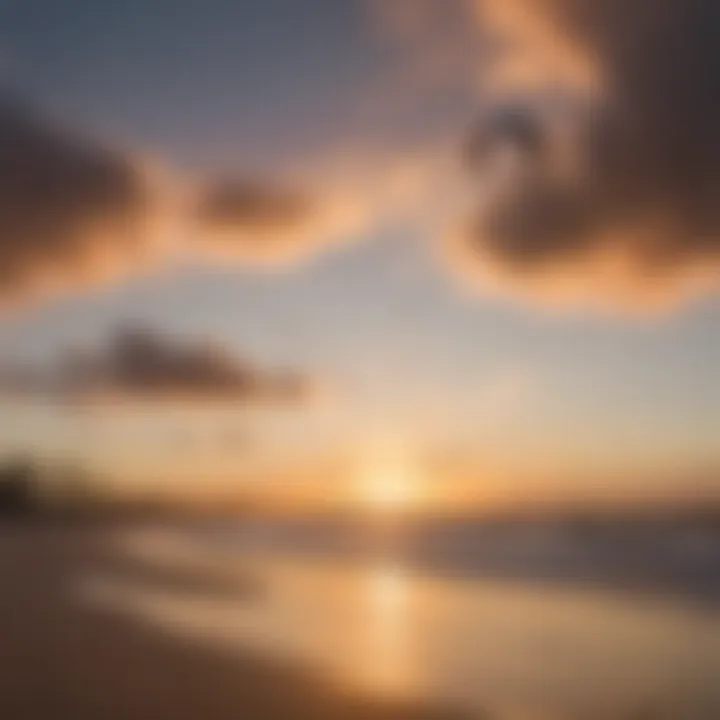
(19, 481)
(31, 488)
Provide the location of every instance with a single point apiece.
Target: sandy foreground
(61, 659)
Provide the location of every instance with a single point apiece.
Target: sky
(292, 183)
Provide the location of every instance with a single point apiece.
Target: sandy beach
(61, 659)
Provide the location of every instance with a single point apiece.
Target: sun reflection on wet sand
(388, 653)
(385, 631)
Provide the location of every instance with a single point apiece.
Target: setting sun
(388, 485)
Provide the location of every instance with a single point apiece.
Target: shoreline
(63, 660)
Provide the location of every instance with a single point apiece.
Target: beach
(59, 659)
(194, 620)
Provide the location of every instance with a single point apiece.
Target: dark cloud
(71, 212)
(141, 366)
(611, 187)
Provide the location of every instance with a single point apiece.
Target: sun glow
(388, 491)
(388, 485)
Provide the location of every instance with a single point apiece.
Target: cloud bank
(594, 165)
(75, 214)
(139, 366)
(598, 164)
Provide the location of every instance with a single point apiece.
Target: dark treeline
(18, 487)
(34, 488)
(29, 488)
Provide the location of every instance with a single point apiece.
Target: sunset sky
(305, 171)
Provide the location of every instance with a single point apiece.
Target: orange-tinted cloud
(604, 188)
(140, 366)
(74, 214)
(594, 163)
(71, 212)
(268, 224)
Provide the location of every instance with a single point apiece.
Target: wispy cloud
(263, 224)
(139, 366)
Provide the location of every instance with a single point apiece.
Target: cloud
(71, 212)
(268, 223)
(593, 165)
(598, 163)
(75, 214)
(140, 366)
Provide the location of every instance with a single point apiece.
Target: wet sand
(62, 660)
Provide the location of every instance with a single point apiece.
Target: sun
(388, 491)
(387, 485)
